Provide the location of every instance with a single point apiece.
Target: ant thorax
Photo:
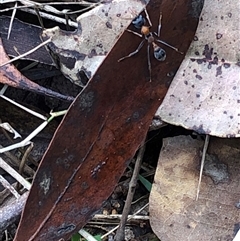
(149, 38)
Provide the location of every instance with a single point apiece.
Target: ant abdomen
(139, 21)
(159, 53)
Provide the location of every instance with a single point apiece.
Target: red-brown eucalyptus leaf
(103, 129)
(9, 75)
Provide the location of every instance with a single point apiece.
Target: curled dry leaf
(205, 94)
(84, 49)
(9, 75)
(174, 212)
(23, 38)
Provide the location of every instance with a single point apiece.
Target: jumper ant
(151, 37)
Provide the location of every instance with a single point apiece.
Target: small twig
(117, 216)
(10, 213)
(14, 174)
(131, 216)
(24, 159)
(86, 235)
(15, 162)
(132, 186)
(12, 19)
(40, 116)
(4, 88)
(202, 164)
(8, 186)
(51, 17)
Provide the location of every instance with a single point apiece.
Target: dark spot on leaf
(193, 86)
(229, 15)
(170, 74)
(197, 53)
(207, 52)
(188, 226)
(218, 35)
(218, 71)
(224, 112)
(199, 61)
(106, 14)
(209, 65)
(222, 17)
(136, 115)
(92, 53)
(109, 25)
(215, 60)
(185, 82)
(84, 185)
(194, 71)
(210, 97)
(198, 76)
(234, 87)
(226, 65)
(238, 101)
(219, 98)
(195, 38)
(200, 129)
(118, 15)
(197, 95)
(231, 117)
(223, 60)
(193, 60)
(99, 45)
(170, 114)
(65, 228)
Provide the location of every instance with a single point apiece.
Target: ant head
(139, 21)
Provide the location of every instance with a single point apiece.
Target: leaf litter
(205, 93)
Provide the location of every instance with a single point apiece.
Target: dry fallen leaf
(174, 213)
(205, 94)
(9, 75)
(103, 128)
(85, 49)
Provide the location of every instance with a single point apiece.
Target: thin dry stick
(131, 216)
(120, 235)
(14, 174)
(11, 22)
(202, 164)
(8, 186)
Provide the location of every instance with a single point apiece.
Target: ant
(151, 37)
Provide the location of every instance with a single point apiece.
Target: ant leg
(149, 63)
(138, 34)
(170, 46)
(159, 24)
(148, 18)
(134, 52)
